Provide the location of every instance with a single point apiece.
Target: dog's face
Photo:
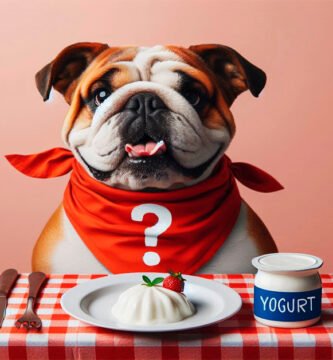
(145, 118)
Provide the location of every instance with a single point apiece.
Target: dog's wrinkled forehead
(158, 64)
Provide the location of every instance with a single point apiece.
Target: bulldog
(149, 121)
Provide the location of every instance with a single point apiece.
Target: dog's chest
(71, 255)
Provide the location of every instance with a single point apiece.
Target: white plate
(92, 301)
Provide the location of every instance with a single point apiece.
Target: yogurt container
(287, 289)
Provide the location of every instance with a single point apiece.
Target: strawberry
(174, 282)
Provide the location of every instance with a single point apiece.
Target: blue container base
(287, 324)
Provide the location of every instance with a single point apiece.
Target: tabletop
(240, 337)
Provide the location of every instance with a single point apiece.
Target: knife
(7, 280)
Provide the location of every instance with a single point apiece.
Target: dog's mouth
(148, 157)
(147, 149)
(139, 153)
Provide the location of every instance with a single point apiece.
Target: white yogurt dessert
(149, 305)
(287, 289)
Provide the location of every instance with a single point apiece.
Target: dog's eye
(193, 97)
(100, 95)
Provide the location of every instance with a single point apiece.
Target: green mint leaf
(146, 280)
(157, 280)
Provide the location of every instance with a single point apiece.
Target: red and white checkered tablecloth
(240, 337)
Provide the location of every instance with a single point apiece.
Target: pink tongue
(149, 149)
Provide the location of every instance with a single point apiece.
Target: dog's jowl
(151, 188)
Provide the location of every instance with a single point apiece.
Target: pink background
(288, 131)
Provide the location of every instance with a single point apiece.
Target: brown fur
(48, 239)
(259, 233)
(224, 114)
(98, 66)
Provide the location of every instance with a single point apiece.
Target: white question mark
(152, 258)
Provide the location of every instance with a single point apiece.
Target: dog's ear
(235, 74)
(67, 67)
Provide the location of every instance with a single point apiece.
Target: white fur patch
(147, 56)
(72, 256)
(235, 255)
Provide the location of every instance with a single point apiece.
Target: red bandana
(131, 231)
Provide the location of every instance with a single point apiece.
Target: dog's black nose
(144, 103)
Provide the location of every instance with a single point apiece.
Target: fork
(29, 319)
